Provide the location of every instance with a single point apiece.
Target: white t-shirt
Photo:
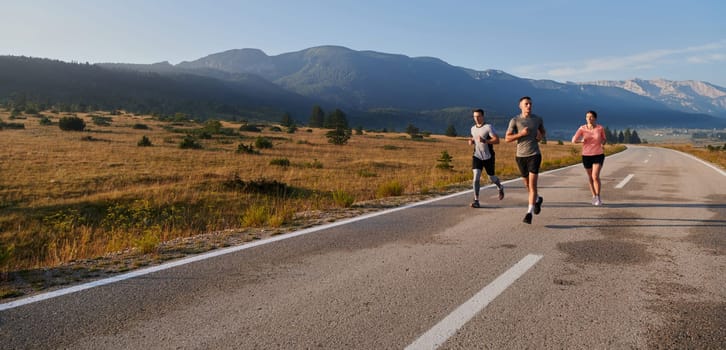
(481, 149)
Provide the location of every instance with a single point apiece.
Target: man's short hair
(525, 98)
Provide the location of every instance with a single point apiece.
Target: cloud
(711, 58)
(636, 62)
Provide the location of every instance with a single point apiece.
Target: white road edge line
(625, 181)
(447, 327)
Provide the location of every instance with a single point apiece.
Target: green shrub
(248, 149)
(189, 142)
(140, 126)
(444, 161)
(280, 162)
(45, 121)
(247, 127)
(144, 142)
(71, 124)
(315, 164)
(263, 142)
(101, 121)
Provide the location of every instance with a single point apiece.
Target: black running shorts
(588, 161)
(488, 164)
(529, 164)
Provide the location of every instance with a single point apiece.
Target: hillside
(51, 82)
(376, 90)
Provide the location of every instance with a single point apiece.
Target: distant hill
(143, 90)
(369, 81)
(375, 89)
(687, 96)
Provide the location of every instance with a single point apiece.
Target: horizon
(560, 40)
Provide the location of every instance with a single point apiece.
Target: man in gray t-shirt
(528, 129)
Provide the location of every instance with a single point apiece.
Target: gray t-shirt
(481, 149)
(527, 145)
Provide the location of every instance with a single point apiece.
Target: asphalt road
(645, 270)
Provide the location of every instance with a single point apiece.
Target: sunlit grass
(63, 197)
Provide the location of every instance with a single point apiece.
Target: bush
(101, 121)
(280, 162)
(71, 124)
(315, 164)
(189, 142)
(45, 121)
(248, 149)
(263, 142)
(247, 127)
(343, 199)
(140, 126)
(389, 189)
(338, 136)
(255, 216)
(444, 161)
(144, 142)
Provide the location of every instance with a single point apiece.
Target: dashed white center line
(455, 320)
(625, 181)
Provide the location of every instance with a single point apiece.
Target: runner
(483, 137)
(592, 137)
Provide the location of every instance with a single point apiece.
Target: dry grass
(715, 156)
(63, 197)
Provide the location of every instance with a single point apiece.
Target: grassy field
(69, 195)
(715, 156)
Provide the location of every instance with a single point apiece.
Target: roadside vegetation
(113, 188)
(715, 154)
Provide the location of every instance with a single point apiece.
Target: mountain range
(375, 89)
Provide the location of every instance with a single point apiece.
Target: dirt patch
(690, 325)
(604, 251)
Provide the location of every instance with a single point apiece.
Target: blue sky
(562, 40)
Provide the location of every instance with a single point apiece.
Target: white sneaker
(597, 201)
(594, 200)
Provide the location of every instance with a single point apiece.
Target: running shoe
(501, 192)
(475, 204)
(527, 219)
(594, 200)
(538, 205)
(597, 201)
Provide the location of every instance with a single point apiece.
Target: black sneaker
(527, 219)
(501, 192)
(475, 204)
(538, 205)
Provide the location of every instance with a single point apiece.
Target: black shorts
(529, 164)
(488, 164)
(588, 161)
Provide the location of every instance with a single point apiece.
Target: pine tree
(451, 131)
(286, 120)
(627, 136)
(317, 117)
(621, 137)
(634, 138)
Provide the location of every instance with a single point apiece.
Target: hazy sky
(562, 40)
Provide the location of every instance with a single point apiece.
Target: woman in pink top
(592, 137)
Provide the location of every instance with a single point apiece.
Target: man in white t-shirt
(483, 137)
